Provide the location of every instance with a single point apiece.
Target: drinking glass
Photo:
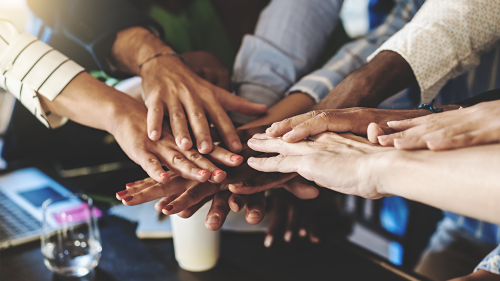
(71, 244)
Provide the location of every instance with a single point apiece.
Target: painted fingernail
(184, 141)
(213, 219)
(217, 172)
(121, 193)
(163, 174)
(268, 241)
(168, 208)
(236, 146)
(302, 232)
(128, 198)
(130, 184)
(204, 146)
(288, 236)
(254, 214)
(153, 134)
(202, 172)
(236, 185)
(235, 158)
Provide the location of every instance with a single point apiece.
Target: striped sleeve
(29, 66)
(353, 55)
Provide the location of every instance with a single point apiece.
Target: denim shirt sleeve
(491, 262)
(93, 24)
(289, 37)
(353, 55)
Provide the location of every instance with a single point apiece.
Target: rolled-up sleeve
(445, 39)
(491, 262)
(353, 55)
(29, 66)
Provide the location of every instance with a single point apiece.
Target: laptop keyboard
(15, 221)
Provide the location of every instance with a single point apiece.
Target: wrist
(383, 171)
(121, 108)
(135, 45)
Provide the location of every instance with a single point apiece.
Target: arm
(289, 37)
(445, 40)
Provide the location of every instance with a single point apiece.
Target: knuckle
(178, 159)
(324, 115)
(178, 115)
(195, 157)
(151, 161)
(193, 193)
(156, 109)
(197, 115)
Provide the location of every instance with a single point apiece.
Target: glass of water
(71, 244)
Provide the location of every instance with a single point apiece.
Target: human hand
(475, 125)
(343, 163)
(479, 275)
(171, 86)
(354, 120)
(208, 67)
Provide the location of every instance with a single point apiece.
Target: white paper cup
(196, 248)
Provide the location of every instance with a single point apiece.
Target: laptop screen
(39, 195)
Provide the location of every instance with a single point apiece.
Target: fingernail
(235, 158)
(121, 193)
(314, 239)
(130, 184)
(236, 185)
(163, 174)
(268, 241)
(154, 134)
(168, 208)
(236, 146)
(128, 198)
(202, 172)
(184, 140)
(288, 236)
(238, 205)
(270, 129)
(392, 123)
(213, 219)
(254, 214)
(302, 232)
(382, 138)
(204, 146)
(217, 172)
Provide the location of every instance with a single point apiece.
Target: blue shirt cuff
(317, 84)
(492, 262)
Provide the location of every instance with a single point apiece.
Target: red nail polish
(217, 172)
(202, 172)
(121, 193)
(128, 198)
(235, 158)
(130, 184)
(163, 174)
(168, 208)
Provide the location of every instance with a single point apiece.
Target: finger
(222, 156)
(149, 193)
(223, 79)
(277, 220)
(280, 163)
(160, 205)
(191, 197)
(413, 122)
(152, 166)
(322, 122)
(444, 133)
(234, 103)
(303, 227)
(301, 188)
(178, 122)
(473, 138)
(313, 232)
(218, 211)
(225, 126)
(155, 116)
(278, 129)
(292, 223)
(209, 75)
(217, 175)
(261, 183)
(375, 130)
(256, 207)
(134, 188)
(193, 209)
(180, 165)
(274, 145)
(199, 125)
(388, 140)
(237, 202)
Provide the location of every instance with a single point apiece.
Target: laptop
(22, 194)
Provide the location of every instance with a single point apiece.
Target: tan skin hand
(171, 88)
(476, 125)
(479, 275)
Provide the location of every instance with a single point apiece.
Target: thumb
(234, 103)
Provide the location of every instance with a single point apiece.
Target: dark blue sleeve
(92, 24)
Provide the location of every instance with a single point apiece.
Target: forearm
(92, 103)
(463, 181)
(387, 74)
(292, 105)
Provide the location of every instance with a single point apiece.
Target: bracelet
(159, 55)
(430, 106)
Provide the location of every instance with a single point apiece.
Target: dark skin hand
(479, 275)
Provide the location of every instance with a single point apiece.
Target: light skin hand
(172, 88)
(476, 125)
